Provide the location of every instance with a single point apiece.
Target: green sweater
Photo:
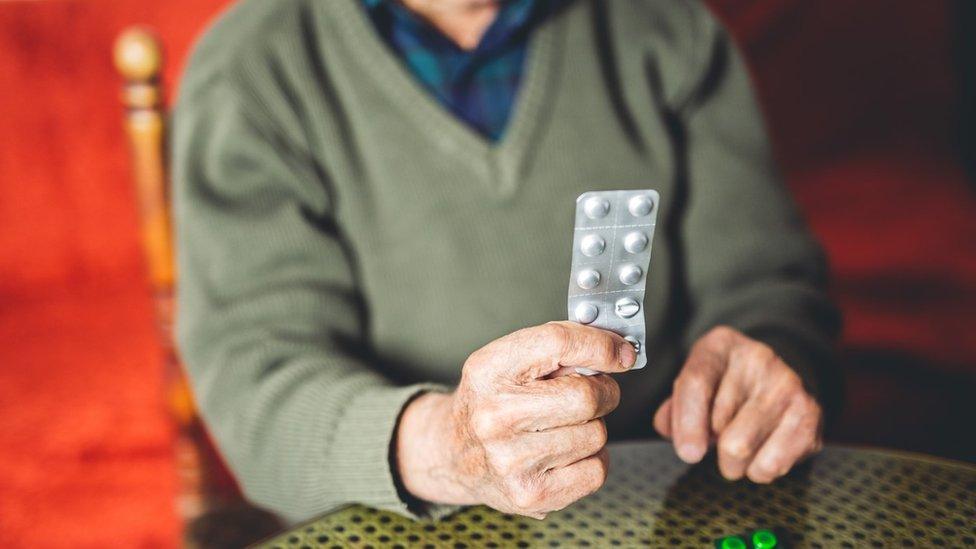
(345, 243)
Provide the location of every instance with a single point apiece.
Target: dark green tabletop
(842, 498)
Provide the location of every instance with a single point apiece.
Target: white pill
(634, 341)
(596, 207)
(635, 242)
(640, 205)
(630, 274)
(588, 279)
(586, 313)
(592, 245)
(626, 307)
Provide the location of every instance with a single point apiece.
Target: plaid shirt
(479, 86)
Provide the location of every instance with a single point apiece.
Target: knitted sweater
(345, 242)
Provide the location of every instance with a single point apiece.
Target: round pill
(592, 245)
(630, 274)
(764, 539)
(633, 341)
(626, 307)
(640, 205)
(596, 207)
(586, 313)
(635, 242)
(733, 542)
(588, 279)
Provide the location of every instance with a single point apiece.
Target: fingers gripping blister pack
(611, 255)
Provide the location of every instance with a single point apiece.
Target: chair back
(139, 59)
(209, 500)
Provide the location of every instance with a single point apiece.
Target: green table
(843, 498)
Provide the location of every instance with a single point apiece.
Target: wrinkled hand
(736, 391)
(522, 433)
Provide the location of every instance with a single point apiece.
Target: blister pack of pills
(611, 255)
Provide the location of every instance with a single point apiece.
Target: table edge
(909, 454)
(898, 453)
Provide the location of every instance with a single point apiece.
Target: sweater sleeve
(270, 323)
(751, 262)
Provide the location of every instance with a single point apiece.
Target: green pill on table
(764, 539)
(732, 542)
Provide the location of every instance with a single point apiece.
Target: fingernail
(627, 354)
(690, 453)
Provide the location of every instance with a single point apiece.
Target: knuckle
(521, 501)
(557, 335)
(761, 476)
(594, 478)
(602, 472)
(504, 463)
(792, 383)
(612, 389)
(587, 396)
(720, 333)
(512, 487)
(813, 407)
(477, 367)
(764, 471)
(691, 381)
(729, 471)
(471, 365)
(593, 436)
(757, 355)
(604, 394)
(736, 448)
(591, 400)
(485, 424)
(808, 407)
(810, 431)
(593, 485)
(527, 497)
(599, 437)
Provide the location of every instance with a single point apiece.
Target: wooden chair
(214, 512)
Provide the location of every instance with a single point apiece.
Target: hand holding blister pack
(611, 255)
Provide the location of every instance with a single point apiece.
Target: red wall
(860, 99)
(67, 216)
(86, 457)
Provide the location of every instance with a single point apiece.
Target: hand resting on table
(736, 392)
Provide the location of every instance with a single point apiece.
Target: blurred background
(870, 108)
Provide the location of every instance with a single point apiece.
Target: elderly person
(375, 204)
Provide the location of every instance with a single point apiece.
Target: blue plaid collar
(479, 85)
(514, 16)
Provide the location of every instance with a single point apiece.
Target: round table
(844, 497)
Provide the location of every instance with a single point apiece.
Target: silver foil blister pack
(611, 255)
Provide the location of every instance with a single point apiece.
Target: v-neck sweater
(345, 242)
